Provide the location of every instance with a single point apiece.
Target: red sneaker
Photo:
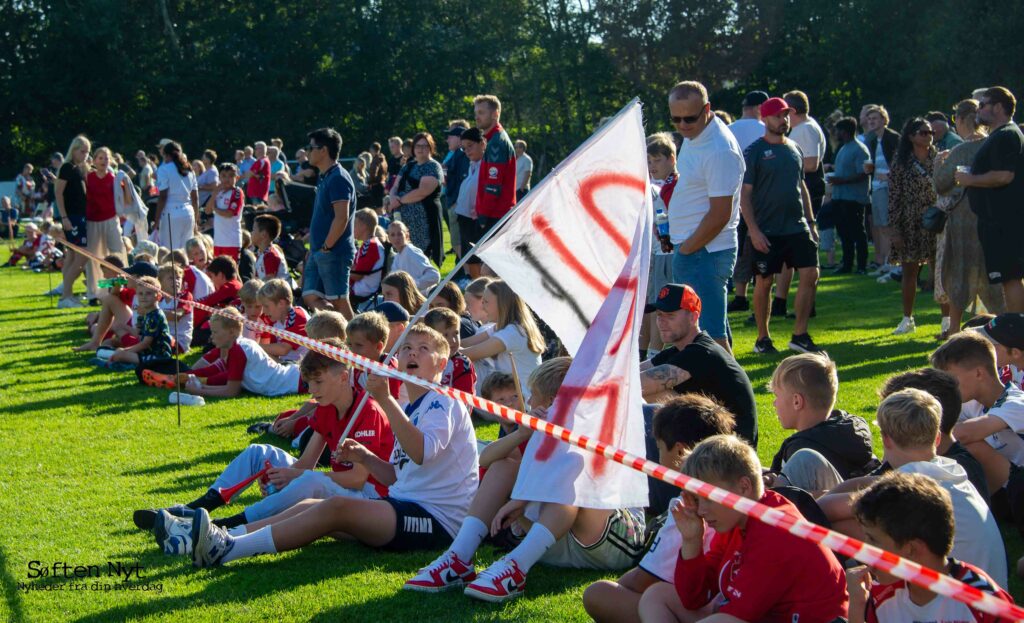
(445, 573)
(501, 581)
(166, 381)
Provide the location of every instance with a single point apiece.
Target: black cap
(755, 98)
(1007, 330)
(673, 297)
(473, 134)
(392, 311)
(455, 131)
(142, 269)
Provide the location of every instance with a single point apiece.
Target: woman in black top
(69, 191)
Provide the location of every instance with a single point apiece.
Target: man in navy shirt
(331, 250)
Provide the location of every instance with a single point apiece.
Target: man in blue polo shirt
(331, 250)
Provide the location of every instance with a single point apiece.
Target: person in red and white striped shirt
(270, 260)
(226, 207)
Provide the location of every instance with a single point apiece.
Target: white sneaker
(68, 303)
(944, 325)
(209, 542)
(881, 270)
(173, 534)
(188, 400)
(58, 291)
(906, 326)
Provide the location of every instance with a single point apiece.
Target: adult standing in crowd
(945, 139)
(394, 158)
(177, 209)
(257, 176)
(69, 191)
(960, 262)
(749, 127)
(777, 210)
(277, 166)
(326, 275)
(704, 209)
(456, 168)
(910, 194)
(474, 145)
(103, 229)
(416, 194)
(305, 173)
(49, 174)
(247, 161)
(881, 144)
(208, 180)
(850, 186)
(995, 186)
(496, 188)
(146, 179)
(524, 169)
(377, 177)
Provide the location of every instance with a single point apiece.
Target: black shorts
(77, 234)
(469, 235)
(1004, 254)
(415, 528)
(1008, 503)
(793, 250)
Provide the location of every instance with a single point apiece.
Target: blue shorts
(326, 274)
(77, 234)
(708, 274)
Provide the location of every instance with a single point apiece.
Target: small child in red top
(270, 260)
(368, 332)
(252, 309)
(223, 272)
(753, 571)
(912, 516)
(195, 281)
(368, 267)
(178, 313)
(276, 298)
(459, 373)
(226, 207)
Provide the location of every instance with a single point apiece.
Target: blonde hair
(910, 417)
(371, 325)
(477, 286)
(230, 319)
(77, 143)
(546, 379)
(725, 459)
(661, 144)
(168, 270)
(250, 292)
(368, 217)
(150, 282)
(811, 374)
(492, 101)
(276, 290)
(327, 324)
(409, 297)
(436, 340)
(203, 242)
(106, 150)
(513, 310)
(967, 349)
(441, 317)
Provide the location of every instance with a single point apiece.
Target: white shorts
(618, 548)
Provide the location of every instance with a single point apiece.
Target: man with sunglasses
(704, 210)
(331, 249)
(995, 187)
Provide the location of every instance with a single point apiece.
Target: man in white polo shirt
(705, 208)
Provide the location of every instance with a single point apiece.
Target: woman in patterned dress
(416, 194)
(910, 194)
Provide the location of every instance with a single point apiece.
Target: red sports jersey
(196, 283)
(270, 264)
(496, 188)
(295, 322)
(253, 334)
(369, 262)
(394, 385)
(890, 603)
(668, 187)
(765, 574)
(221, 297)
(258, 186)
(371, 429)
(459, 374)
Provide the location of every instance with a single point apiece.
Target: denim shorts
(708, 274)
(326, 274)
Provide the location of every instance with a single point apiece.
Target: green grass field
(81, 448)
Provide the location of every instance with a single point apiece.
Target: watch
(325, 248)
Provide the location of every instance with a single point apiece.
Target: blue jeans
(708, 274)
(326, 274)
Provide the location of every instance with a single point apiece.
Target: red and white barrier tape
(875, 557)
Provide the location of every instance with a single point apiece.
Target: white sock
(945, 323)
(537, 541)
(469, 538)
(259, 542)
(908, 319)
(238, 531)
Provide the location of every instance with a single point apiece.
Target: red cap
(674, 297)
(774, 106)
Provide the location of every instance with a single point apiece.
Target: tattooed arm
(659, 381)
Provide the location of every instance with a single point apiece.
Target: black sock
(209, 500)
(230, 522)
(739, 298)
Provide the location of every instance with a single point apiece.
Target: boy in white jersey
(178, 312)
(432, 476)
(276, 298)
(226, 207)
(270, 260)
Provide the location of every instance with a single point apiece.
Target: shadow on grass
(11, 595)
(107, 400)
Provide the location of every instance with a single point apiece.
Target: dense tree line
(222, 74)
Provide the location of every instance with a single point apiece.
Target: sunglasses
(423, 145)
(925, 132)
(691, 119)
(312, 147)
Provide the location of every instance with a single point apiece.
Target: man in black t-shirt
(694, 362)
(777, 209)
(995, 187)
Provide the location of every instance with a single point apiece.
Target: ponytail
(178, 157)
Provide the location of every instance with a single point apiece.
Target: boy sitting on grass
(154, 336)
(368, 333)
(432, 476)
(276, 299)
(678, 426)
(501, 388)
(459, 373)
(178, 312)
(368, 266)
(751, 571)
(830, 445)
(559, 535)
(912, 516)
(297, 479)
(270, 260)
(223, 273)
(251, 308)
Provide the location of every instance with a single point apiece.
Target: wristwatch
(325, 248)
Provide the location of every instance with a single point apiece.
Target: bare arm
(338, 224)
(811, 164)
(427, 186)
(505, 447)
(805, 196)
(489, 348)
(976, 429)
(992, 179)
(711, 225)
(661, 379)
(228, 390)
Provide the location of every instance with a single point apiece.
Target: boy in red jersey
(459, 373)
(226, 207)
(277, 301)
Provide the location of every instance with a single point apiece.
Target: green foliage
(221, 75)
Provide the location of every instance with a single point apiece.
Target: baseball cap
(1006, 329)
(455, 131)
(392, 311)
(163, 142)
(142, 269)
(754, 98)
(774, 106)
(674, 297)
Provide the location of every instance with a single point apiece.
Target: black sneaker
(764, 346)
(842, 270)
(803, 344)
(778, 307)
(258, 428)
(739, 303)
(751, 320)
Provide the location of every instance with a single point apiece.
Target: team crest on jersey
(492, 172)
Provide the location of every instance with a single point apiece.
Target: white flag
(568, 239)
(601, 398)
